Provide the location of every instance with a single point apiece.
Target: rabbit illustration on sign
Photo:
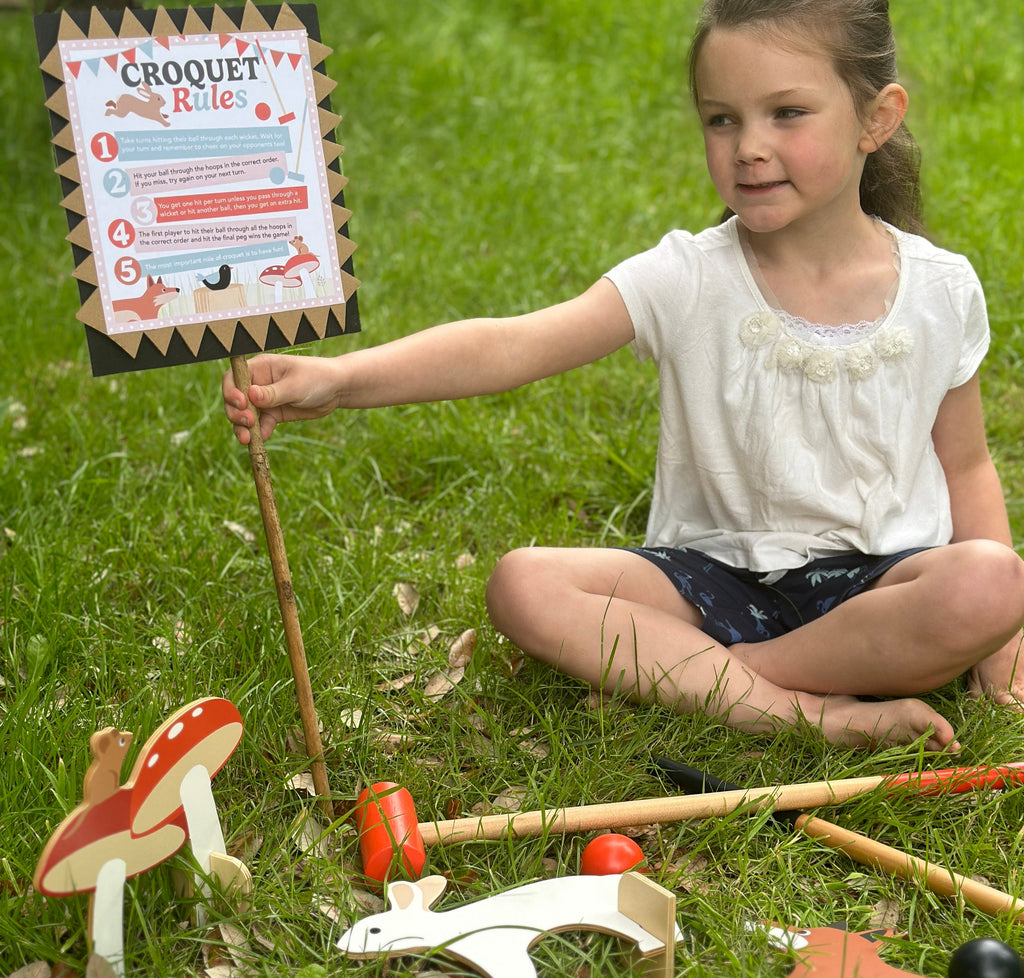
(147, 104)
(494, 935)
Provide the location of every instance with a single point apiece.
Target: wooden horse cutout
(494, 935)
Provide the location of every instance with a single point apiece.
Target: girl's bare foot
(1000, 676)
(848, 721)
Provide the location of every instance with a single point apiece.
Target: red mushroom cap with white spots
(91, 836)
(299, 263)
(276, 275)
(205, 732)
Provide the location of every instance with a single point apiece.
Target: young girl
(826, 520)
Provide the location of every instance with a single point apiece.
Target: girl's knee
(988, 586)
(509, 586)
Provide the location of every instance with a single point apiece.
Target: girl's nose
(752, 146)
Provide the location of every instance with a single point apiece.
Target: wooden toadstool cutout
(172, 779)
(94, 850)
(121, 830)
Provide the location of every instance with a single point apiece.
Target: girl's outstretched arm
(454, 360)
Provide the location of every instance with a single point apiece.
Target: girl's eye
(790, 113)
(715, 121)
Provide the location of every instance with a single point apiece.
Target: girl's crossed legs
(615, 620)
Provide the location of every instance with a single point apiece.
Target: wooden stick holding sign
(285, 596)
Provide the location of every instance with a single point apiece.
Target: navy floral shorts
(739, 606)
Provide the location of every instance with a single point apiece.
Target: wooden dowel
(285, 596)
(674, 808)
(859, 847)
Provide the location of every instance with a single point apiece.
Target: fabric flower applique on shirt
(821, 353)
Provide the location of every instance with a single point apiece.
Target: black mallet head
(985, 957)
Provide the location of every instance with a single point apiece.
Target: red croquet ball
(611, 853)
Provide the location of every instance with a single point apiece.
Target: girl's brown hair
(857, 36)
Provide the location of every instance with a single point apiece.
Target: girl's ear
(886, 114)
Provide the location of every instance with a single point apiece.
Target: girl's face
(783, 141)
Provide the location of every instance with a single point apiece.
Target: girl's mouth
(761, 188)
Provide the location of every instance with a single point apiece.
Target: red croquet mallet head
(389, 836)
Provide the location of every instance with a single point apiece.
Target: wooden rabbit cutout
(494, 935)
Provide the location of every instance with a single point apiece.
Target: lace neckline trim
(823, 331)
(823, 353)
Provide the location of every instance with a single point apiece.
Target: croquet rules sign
(204, 197)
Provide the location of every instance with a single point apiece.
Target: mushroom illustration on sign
(303, 265)
(94, 851)
(172, 778)
(275, 277)
(295, 273)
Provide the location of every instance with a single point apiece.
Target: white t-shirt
(781, 442)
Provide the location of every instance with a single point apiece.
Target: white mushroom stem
(106, 914)
(204, 830)
(278, 291)
(307, 284)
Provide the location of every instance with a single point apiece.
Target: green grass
(500, 156)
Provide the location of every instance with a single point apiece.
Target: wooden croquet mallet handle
(859, 847)
(285, 595)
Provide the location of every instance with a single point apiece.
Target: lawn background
(500, 156)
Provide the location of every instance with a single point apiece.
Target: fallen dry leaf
(688, 872)
(351, 718)
(408, 598)
(235, 940)
(242, 532)
(884, 915)
(246, 846)
(461, 650)
(464, 560)
(510, 800)
(302, 782)
(98, 967)
(396, 685)
(391, 742)
(37, 969)
(513, 664)
(535, 748)
(442, 683)
(308, 835)
(420, 643)
(328, 909)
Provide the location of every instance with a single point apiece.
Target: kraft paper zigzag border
(121, 351)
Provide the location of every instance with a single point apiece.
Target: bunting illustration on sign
(201, 181)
